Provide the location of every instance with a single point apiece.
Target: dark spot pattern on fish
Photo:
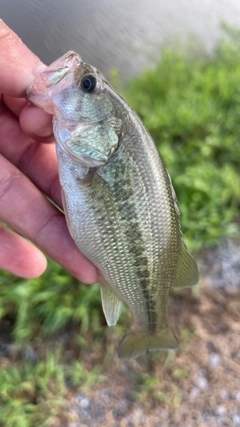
(123, 192)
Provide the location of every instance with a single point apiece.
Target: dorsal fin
(187, 272)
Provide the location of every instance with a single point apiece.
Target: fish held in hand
(118, 198)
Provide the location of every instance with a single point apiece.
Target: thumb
(17, 63)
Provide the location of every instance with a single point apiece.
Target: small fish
(118, 198)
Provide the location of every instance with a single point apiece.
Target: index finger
(17, 63)
(18, 68)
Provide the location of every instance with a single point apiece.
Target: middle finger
(34, 121)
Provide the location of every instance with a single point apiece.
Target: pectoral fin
(111, 305)
(187, 272)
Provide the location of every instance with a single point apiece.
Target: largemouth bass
(118, 198)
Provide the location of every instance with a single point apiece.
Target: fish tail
(135, 343)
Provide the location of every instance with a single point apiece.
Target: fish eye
(88, 83)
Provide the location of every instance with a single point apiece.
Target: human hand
(28, 171)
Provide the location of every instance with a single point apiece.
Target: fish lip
(39, 98)
(34, 92)
(36, 98)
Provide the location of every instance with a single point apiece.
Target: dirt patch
(199, 385)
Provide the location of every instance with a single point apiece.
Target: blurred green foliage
(43, 305)
(31, 394)
(192, 110)
(35, 394)
(191, 107)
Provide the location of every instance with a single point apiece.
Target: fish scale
(118, 198)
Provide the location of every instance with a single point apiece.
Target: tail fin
(133, 344)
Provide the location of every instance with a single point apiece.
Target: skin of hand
(28, 173)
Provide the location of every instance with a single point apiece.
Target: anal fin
(111, 305)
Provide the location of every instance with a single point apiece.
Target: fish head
(81, 101)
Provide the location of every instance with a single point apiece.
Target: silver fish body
(118, 199)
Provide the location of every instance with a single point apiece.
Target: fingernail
(39, 69)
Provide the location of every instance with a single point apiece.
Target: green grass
(192, 109)
(48, 303)
(36, 394)
(31, 394)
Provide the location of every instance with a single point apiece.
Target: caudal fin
(133, 344)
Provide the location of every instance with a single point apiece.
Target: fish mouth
(36, 91)
(39, 98)
(35, 95)
(61, 72)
